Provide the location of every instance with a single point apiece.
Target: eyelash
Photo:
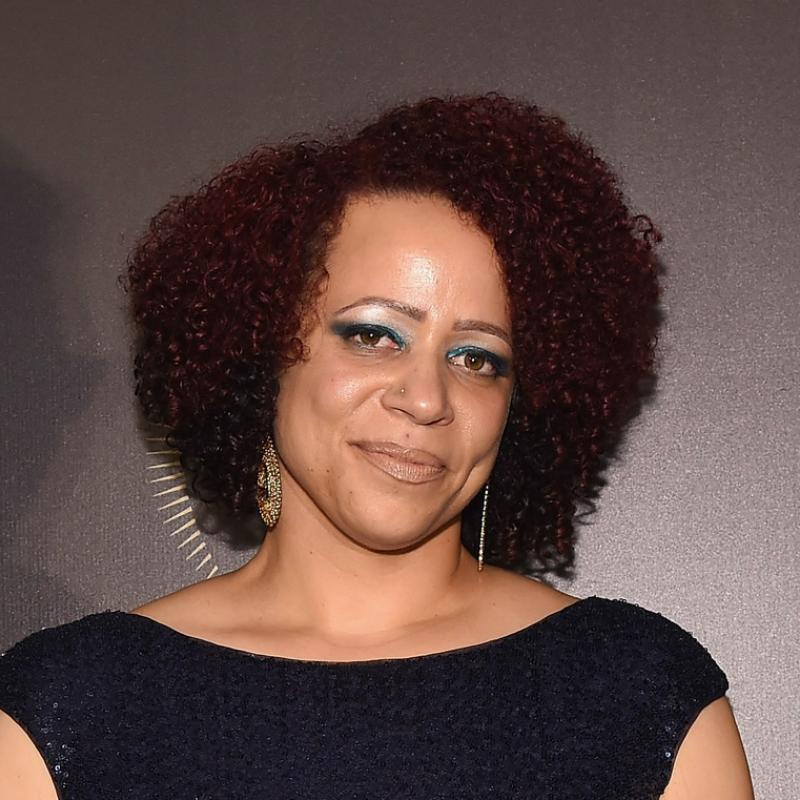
(499, 365)
(348, 331)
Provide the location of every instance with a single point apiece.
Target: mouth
(402, 463)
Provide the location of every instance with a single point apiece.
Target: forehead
(416, 249)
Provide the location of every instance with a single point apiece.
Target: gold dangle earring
(268, 485)
(483, 526)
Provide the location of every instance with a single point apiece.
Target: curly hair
(220, 280)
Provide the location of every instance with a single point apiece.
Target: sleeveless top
(589, 703)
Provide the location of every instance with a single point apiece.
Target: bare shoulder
(711, 762)
(23, 773)
(192, 608)
(523, 601)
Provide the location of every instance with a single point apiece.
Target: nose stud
(402, 390)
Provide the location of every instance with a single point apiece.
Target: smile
(402, 464)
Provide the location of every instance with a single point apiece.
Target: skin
(366, 560)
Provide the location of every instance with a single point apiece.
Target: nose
(421, 392)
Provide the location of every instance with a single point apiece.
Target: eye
(474, 361)
(479, 362)
(369, 337)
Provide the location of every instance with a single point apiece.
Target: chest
(494, 732)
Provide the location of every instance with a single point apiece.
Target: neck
(310, 576)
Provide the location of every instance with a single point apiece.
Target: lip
(406, 464)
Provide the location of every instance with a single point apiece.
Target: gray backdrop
(107, 108)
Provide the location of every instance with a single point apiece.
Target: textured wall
(106, 108)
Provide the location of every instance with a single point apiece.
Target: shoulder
(200, 609)
(514, 599)
(642, 653)
(644, 640)
(631, 681)
(58, 659)
(51, 687)
(84, 692)
(69, 669)
(59, 647)
(685, 726)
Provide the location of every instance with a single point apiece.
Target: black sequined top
(589, 703)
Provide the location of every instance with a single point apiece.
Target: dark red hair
(220, 281)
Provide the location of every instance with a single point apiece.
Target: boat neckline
(489, 644)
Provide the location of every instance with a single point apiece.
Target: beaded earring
(483, 526)
(268, 485)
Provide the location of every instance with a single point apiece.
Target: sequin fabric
(589, 703)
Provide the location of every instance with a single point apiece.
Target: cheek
(338, 392)
(341, 389)
(483, 420)
(315, 399)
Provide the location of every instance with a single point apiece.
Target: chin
(387, 531)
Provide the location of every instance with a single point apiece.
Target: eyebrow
(417, 314)
(483, 327)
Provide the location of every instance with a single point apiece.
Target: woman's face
(392, 424)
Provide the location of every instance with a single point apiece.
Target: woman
(411, 350)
